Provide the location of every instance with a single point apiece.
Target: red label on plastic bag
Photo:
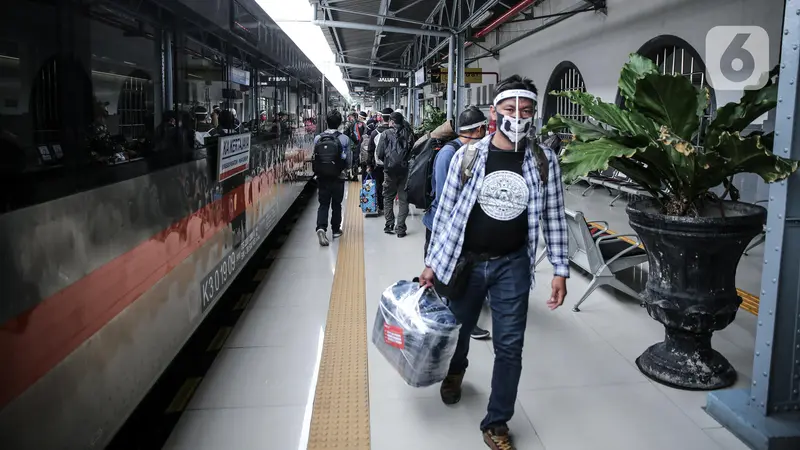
(393, 336)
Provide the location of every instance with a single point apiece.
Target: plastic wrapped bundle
(416, 332)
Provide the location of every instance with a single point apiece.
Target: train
(145, 171)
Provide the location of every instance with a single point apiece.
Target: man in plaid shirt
(489, 217)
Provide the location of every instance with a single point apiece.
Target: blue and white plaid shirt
(456, 203)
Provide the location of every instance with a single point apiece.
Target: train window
(565, 77)
(201, 87)
(124, 84)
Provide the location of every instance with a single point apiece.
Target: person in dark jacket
(377, 165)
(395, 179)
(331, 190)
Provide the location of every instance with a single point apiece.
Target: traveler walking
(472, 128)
(377, 168)
(331, 157)
(501, 187)
(394, 148)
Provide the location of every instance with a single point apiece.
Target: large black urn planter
(691, 288)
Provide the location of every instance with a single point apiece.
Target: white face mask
(515, 129)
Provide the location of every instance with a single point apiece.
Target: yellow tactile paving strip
(340, 419)
(749, 301)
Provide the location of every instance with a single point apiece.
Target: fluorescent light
(296, 23)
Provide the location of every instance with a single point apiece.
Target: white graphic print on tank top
(504, 195)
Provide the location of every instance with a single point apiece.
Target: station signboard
(234, 155)
(358, 88)
(240, 76)
(471, 76)
(379, 82)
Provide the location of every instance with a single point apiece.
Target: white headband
(514, 93)
(472, 127)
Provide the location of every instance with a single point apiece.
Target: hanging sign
(419, 77)
(387, 82)
(234, 155)
(358, 88)
(471, 76)
(240, 76)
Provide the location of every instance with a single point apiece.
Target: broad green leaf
(583, 131)
(646, 177)
(682, 157)
(634, 70)
(669, 100)
(750, 155)
(735, 117)
(629, 123)
(580, 158)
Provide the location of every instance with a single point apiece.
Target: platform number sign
(737, 57)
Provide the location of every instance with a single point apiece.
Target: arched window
(135, 105)
(565, 77)
(676, 56)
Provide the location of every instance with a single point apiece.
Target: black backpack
(398, 149)
(327, 159)
(420, 175)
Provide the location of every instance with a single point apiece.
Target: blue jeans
(507, 282)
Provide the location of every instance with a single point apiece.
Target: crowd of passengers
(492, 195)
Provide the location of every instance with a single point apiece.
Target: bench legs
(591, 186)
(605, 281)
(615, 199)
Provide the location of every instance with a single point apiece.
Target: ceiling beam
(382, 10)
(376, 28)
(389, 16)
(371, 67)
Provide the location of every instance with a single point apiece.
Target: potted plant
(694, 238)
(432, 119)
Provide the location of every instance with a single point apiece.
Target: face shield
(516, 128)
(469, 128)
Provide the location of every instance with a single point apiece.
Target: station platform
(299, 370)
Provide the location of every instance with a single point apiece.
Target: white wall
(599, 44)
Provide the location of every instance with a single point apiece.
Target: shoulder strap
(468, 163)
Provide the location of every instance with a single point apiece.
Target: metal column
(409, 105)
(460, 77)
(767, 415)
(322, 120)
(396, 105)
(450, 79)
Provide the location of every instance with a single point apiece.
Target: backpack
(327, 160)
(364, 151)
(471, 155)
(398, 148)
(419, 186)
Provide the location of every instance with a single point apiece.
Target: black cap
(470, 117)
(363, 114)
(387, 112)
(397, 117)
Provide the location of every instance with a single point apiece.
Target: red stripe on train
(34, 342)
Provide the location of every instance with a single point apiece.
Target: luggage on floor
(369, 196)
(416, 332)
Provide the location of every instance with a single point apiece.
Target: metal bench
(602, 254)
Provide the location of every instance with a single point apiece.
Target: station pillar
(766, 415)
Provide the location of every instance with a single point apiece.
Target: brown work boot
(497, 438)
(451, 389)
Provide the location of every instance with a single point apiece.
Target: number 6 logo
(737, 57)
